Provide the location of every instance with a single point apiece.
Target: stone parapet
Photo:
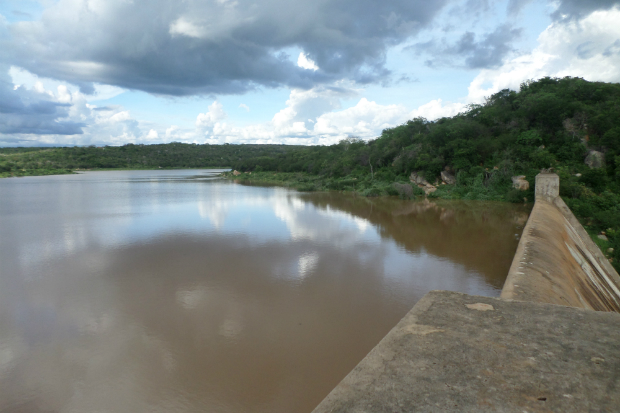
(459, 353)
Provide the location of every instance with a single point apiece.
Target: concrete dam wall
(556, 261)
(538, 348)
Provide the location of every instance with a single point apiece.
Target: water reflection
(151, 291)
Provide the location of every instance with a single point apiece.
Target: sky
(112, 72)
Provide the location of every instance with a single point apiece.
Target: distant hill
(44, 161)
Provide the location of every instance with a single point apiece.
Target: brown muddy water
(172, 291)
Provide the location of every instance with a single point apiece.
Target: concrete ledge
(556, 261)
(458, 353)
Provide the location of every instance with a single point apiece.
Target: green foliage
(529, 138)
(40, 161)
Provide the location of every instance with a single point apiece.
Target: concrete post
(547, 186)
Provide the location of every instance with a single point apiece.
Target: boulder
(519, 182)
(602, 237)
(428, 189)
(414, 177)
(595, 159)
(422, 183)
(236, 173)
(448, 178)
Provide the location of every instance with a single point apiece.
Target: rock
(595, 159)
(448, 178)
(422, 183)
(428, 189)
(236, 173)
(578, 175)
(519, 182)
(414, 177)
(603, 237)
(610, 250)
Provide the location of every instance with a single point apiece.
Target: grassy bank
(496, 187)
(306, 182)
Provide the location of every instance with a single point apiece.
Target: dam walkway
(550, 343)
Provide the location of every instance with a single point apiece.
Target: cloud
(46, 113)
(469, 51)
(435, 109)
(212, 116)
(21, 14)
(24, 111)
(224, 47)
(574, 9)
(244, 106)
(306, 63)
(515, 6)
(365, 120)
(25, 78)
(311, 116)
(181, 26)
(588, 48)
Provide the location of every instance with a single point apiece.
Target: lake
(177, 291)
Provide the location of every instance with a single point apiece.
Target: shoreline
(77, 170)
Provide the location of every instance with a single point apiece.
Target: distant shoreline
(37, 172)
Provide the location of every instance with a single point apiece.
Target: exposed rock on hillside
(448, 178)
(422, 183)
(519, 182)
(595, 159)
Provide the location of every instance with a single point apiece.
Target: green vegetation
(47, 161)
(550, 123)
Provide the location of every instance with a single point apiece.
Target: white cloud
(365, 120)
(118, 117)
(244, 106)
(305, 62)
(212, 116)
(311, 117)
(435, 110)
(184, 27)
(152, 135)
(585, 48)
(29, 80)
(64, 95)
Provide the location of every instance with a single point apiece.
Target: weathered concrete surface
(458, 353)
(547, 186)
(556, 260)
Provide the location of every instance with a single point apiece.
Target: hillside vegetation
(549, 123)
(46, 161)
